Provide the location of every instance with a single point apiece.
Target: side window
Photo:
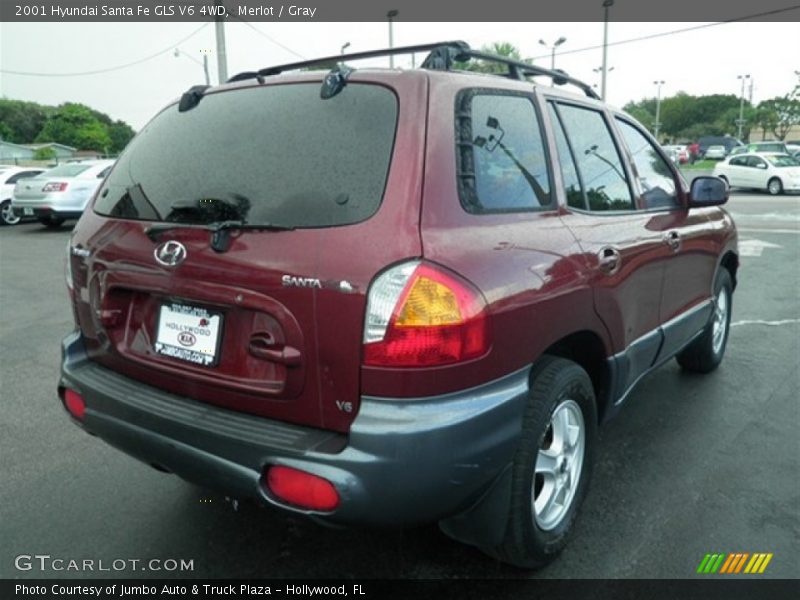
(23, 175)
(502, 165)
(739, 161)
(569, 171)
(599, 163)
(103, 173)
(754, 161)
(655, 176)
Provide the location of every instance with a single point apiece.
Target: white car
(715, 153)
(776, 173)
(9, 176)
(61, 193)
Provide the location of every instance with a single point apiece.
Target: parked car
(793, 150)
(717, 140)
(715, 153)
(9, 176)
(775, 173)
(61, 193)
(756, 147)
(679, 154)
(428, 326)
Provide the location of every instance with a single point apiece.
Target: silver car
(60, 193)
(716, 153)
(9, 177)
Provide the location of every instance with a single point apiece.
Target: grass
(700, 165)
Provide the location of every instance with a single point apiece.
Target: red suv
(389, 297)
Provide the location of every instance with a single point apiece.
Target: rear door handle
(673, 240)
(262, 345)
(610, 260)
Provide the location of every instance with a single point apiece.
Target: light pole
(344, 47)
(658, 84)
(391, 15)
(600, 70)
(606, 5)
(557, 43)
(222, 55)
(203, 64)
(740, 121)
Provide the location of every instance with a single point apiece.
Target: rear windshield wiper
(220, 230)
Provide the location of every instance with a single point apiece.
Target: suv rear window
(276, 155)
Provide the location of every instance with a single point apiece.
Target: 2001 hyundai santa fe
(389, 297)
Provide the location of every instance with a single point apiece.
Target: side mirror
(707, 191)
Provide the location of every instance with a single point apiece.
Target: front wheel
(774, 187)
(7, 216)
(705, 353)
(552, 465)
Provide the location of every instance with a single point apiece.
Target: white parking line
(769, 323)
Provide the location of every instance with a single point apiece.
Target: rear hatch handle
(263, 345)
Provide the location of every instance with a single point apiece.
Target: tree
(44, 153)
(22, 120)
(120, 133)
(784, 112)
(480, 66)
(75, 125)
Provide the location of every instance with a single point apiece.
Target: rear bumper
(403, 462)
(22, 209)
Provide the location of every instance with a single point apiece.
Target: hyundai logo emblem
(170, 254)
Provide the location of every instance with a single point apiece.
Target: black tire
(7, 217)
(775, 187)
(704, 354)
(555, 382)
(51, 222)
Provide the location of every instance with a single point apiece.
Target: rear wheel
(774, 186)
(51, 222)
(552, 465)
(706, 352)
(7, 216)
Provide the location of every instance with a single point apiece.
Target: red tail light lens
(74, 403)
(55, 186)
(302, 489)
(437, 319)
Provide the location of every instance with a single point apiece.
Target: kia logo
(186, 338)
(170, 254)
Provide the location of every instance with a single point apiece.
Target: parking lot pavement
(692, 465)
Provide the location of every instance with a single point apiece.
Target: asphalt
(692, 465)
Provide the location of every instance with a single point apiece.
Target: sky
(704, 60)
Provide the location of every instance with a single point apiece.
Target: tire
(561, 399)
(705, 353)
(774, 186)
(7, 216)
(51, 222)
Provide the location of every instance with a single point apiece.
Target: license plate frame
(188, 333)
(27, 211)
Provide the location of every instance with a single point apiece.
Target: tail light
(55, 186)
(302, 489)
(419, 315)
(74, 403)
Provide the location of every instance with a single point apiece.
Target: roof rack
(443, 57)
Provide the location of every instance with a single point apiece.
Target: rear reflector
(55, 186)
(302, 489)
(74, 403)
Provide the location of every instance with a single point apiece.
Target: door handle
(262, 345)
(609, 259)
(673, 240)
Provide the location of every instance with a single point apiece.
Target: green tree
(75, 125)
(481, 66)
(44, 153)
(120, 133)
(785, 113)
(22, 121)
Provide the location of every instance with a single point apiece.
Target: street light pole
(204, 64)
(555, 45)
(658, 84)
(391, 15)
(222, 57)
(606, 5)
(740, 122)
(344, 47)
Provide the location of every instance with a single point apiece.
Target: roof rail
(443, 57)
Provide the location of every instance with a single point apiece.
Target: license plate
(27, 211)
(188, 333)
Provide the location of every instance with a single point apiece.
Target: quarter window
(655, 177)
(569, 171)
(598, 160)
(502, 165)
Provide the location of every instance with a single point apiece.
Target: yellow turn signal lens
(429, 303)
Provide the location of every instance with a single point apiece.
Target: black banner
(406, 10)
(139, 589)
